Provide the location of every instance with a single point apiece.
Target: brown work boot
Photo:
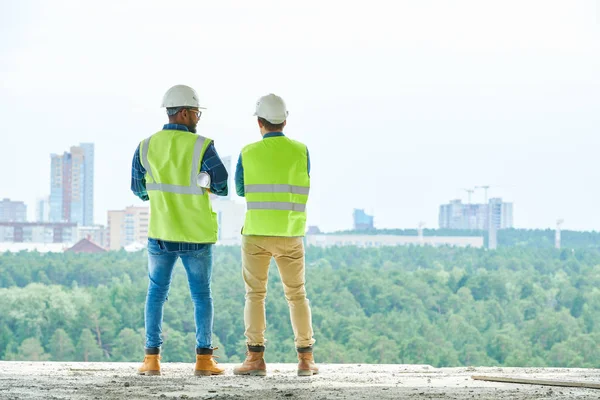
(151, 365)
(306, 362)
(206, 364)
(254, 364)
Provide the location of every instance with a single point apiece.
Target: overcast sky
(402, 103)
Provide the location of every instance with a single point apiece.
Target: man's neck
(263, 133)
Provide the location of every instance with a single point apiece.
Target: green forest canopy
(516, 306)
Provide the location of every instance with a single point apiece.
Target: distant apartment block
(362, 221)
(72, 186)
(128, 226)
(501, 214)
(12, 211)
(38, 232)
(88, 183)
(230, 217)
(457, 215)
(321, 240)
(97, 234)
(42, 209)
(230, 213)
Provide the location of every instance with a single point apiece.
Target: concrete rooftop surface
(75, 380)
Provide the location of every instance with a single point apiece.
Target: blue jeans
(198, 266)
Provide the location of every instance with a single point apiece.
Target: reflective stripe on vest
(276, 188)
(275, 205)
(192, 188)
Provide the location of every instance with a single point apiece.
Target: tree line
(516, 306)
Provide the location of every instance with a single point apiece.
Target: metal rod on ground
(588, 385)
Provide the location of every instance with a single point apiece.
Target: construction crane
(470, 191)
(485, 189)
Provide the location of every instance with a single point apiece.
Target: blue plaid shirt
(239, 170)
(211, 164)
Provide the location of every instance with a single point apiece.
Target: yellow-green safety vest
(180, 211)
(276, 186)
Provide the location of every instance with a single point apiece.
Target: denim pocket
(155, 248)
(202, 253)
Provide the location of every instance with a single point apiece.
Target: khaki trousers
(288, 252)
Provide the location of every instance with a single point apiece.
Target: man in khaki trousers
(273, 175)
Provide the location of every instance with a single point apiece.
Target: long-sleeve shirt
(211, 164)
(239, 170)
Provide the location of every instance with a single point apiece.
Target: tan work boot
(151, 365)
(206, 364)
(306, 364)
(254, 364)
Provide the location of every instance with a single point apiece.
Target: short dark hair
(171, 111)
(270, 126)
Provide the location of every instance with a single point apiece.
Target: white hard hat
(181, 96)
(272, 108)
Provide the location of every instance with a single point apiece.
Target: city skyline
(87, 164)
(79, 162)
(402, 106)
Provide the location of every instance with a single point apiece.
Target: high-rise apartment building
(362, 221)
(230, 213)
(457, 215)
(72, 186)
(12, 211)
(501, 214)
(88, 183)
(230, 217)
(127, 226)
(42, 209)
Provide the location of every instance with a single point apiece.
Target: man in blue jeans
(176, 170)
